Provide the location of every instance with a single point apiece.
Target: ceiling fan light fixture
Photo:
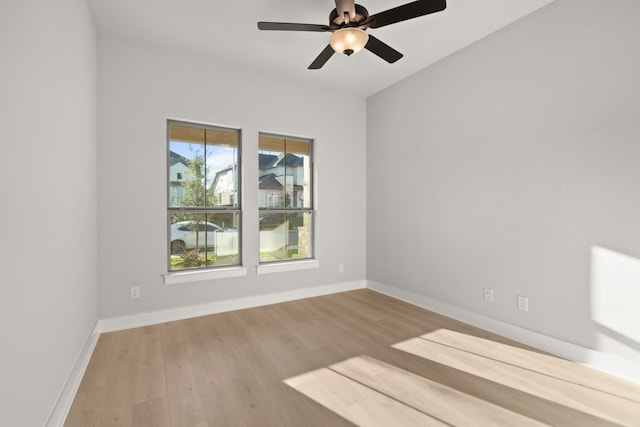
(348, 41)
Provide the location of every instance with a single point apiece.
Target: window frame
(227, 269)
(292, 263)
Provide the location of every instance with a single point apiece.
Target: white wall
(515, 164)
(48, 216)
(139, 87)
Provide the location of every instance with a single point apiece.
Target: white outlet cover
(523, 303)
(135, 292)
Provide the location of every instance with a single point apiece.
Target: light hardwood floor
(352, 358)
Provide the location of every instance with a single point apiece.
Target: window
(203, 212)
(285, 198)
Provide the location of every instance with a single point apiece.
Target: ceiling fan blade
(348, 6)
(405, 12)
(290, 26)
(383, 50)
(322, 58)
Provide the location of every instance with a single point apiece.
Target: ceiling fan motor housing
(361, 15)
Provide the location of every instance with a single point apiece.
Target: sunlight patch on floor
(536, 361)
(356, 402)
(543, 377)
(369, 392)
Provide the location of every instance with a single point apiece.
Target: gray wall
(48, 217)
(515, 164)
(139, 87)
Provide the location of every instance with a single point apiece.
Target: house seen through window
(203, 194)
(285, 198)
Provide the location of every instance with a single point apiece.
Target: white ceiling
(226, 31)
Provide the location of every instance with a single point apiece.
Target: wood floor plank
(84, 411)
(256, 409)
(173, 333)
(220, 406)
(185, 405)
(336, 326)
(150, 379)
(125, 344)
(300, 325)
(282, 346)
(152, 413)
(232, 351)
(98, 367)
(118, 397)
(196, 336)
(236, 336)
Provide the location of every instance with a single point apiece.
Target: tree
(195, 194)
(195, 183)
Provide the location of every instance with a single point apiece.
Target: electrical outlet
(341, 268)
(488, 294)
(135, 292)
(523, 303)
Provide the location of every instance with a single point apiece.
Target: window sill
(280, 267)
(197, 276)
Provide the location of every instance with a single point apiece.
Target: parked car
(199, 234)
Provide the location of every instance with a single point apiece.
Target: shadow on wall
(615, 302)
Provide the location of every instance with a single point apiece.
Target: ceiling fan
(348, 23)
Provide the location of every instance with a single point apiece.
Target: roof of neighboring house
(269, 182)
(266, 161)
(177, 158)
(291, 160)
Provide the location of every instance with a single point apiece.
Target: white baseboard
(614, 365)
(63, 405)
(172, 314)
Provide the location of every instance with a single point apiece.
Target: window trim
(290, 264)
(207, 272)
(287, 265)
(210, 273)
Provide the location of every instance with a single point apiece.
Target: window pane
(285, 236)
(203, 167)
(222, 166)
(203, 240)
(284, 176)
